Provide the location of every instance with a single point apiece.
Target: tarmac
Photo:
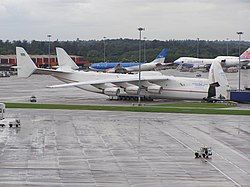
(101, 148)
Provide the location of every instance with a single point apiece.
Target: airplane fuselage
(225, 61)
(130, 66)
(103, 66)
(172, 87)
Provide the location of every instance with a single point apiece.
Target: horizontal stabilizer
(26, 67)
(49, 71)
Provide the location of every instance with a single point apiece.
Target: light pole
(197, 51)
(49, 36)
(144, 38)
(140, 29)
(239, 33)
(104, 49)
(227, 46)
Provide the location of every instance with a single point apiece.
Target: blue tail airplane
(125, 67)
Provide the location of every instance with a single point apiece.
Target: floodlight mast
(140, 29)
(104, 49)
(49, 36)
(239, 33)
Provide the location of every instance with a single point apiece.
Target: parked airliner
(226, 61)
(113, 67)
(153, 84)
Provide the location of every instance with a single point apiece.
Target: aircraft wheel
(196, 155)
(10, 125)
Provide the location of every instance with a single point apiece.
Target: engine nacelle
(229, 63)
(154, 89)
(132, 90)
(111, 91)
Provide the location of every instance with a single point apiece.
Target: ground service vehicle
(11, 122)
(204, 152)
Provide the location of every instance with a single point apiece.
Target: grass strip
(160, 109)
(195, 104)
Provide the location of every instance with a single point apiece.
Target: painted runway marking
(213, 151)
(185, 145)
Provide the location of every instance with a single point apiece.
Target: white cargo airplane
(226, 61)
(153, 84)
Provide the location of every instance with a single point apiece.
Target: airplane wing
(121, 80)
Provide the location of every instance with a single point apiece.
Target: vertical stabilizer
(25, 66)
(161, 56)
(217, 78)
(64, 60)
(245, 55)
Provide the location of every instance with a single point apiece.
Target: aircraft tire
(196, 155)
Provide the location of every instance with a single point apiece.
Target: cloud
(93, 19)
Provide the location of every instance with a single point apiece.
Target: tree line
(128, 49)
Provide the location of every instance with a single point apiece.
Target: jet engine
(229, 63)
(111, 91)
(132, 90)
(155, 89)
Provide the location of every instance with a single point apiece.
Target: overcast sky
(93, 19)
